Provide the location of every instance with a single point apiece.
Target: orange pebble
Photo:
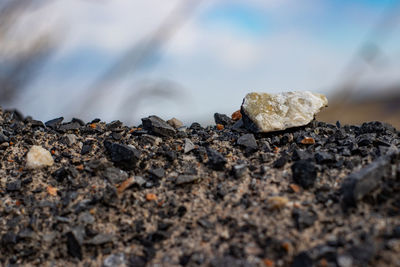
(52, 190)
(220, 127)
(295, 188)
(308, 141)
(79, 167)
(93, 125)
(268, 262)
(236, 115)
(125, 184)
(150, 197)
(286, 246)
(323, 262)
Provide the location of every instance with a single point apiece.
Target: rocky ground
(155, 195)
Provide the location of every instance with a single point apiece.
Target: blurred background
(127, 59)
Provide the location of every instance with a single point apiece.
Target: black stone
(140, 132)
(87, 147)
(3, 138)
(158, 126)
(303, 218)
(376, 127)
(275, 140)
(27, 181)
(73, 246)
(114, 125)
(362, 254)
(181, 134)
(299, 154)
(345, 152)
(157, 173)
(54, 123)
(149, 139)
(100, 239)
(9, 238)
(61, 174)
(171, 155)
(239, 170)
(215, 159)
(114, 175)
(196, 126)
(323, 157)
(396, 232)
(229, 261)
(302, 260)
(281, 161)
(69, 126)
(81, 123)
(13, 186)
(186, 179)
(365, 139)
(304, 173)
(181, 211)
(205, 223)
(248, 123)
(136, 261)
(340, 134)
(109, 196)
(123, 155)
(116, 136)
(238, 126)
(222, 119)
(184, 259)
(248, 141)
(360, 183)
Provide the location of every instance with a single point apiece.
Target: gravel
(158, 196)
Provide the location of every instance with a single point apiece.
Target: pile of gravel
(155, 195)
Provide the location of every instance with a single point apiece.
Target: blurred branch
(10, 11)
(136, 57)
(21, 63)
(22, 68)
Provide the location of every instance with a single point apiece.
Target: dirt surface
(152, 195)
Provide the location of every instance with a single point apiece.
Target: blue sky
(240, 17)
(225, 50)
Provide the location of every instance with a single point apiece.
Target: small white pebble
(345, 261)
(38, 157)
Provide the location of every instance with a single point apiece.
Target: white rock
(263, 112)
(38, 157)
(174, 122)
(189, 146)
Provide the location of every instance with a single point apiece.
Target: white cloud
(111, 26)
